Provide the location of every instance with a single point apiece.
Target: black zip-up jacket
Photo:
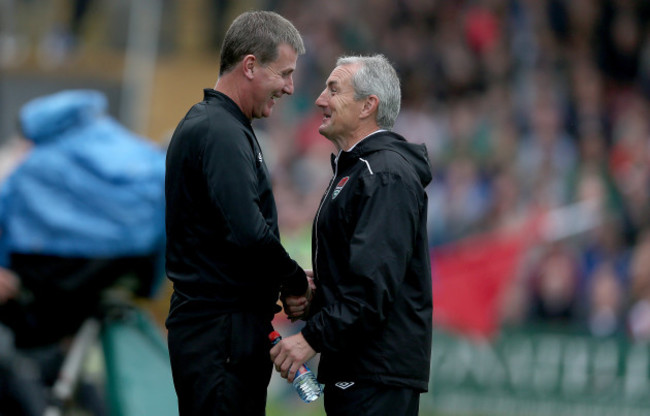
(371, 318)
(223, 243)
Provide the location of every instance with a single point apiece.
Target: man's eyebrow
(332, 83)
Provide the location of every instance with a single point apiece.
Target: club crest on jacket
(340, 186)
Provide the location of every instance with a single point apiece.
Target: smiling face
(273, 80)
(340, 110)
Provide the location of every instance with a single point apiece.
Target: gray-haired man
(371, 316)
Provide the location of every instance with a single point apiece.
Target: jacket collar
(210, 94)
(371, 143)
(355, 151)
(415, 154)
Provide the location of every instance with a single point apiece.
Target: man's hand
(9, 285)
(289, 354)
(297, 307)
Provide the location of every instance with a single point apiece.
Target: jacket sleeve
(229, 166)
(381, 246)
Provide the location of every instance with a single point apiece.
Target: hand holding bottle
(289, 357)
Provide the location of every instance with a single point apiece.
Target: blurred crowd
(525, 106)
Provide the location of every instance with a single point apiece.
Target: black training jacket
(223, 243)
(372, 313)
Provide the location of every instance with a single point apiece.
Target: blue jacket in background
(88, 188)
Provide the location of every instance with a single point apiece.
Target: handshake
(297, 307)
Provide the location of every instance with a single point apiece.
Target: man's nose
(320, 101)
(288, 86)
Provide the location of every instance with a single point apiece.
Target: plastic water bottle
(305, 382)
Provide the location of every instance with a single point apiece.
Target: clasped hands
(297, 307)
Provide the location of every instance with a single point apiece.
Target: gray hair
(376, 76)
(259, 33)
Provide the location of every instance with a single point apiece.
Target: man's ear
(370, 105)
(248, 66)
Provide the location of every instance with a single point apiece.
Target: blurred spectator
(586, 107)
(459, 200)
(88, 192)
(83, 209)
(606, 301)
(604, 247)
(547, 153)
(60, 43)
(59, 37)
(505, 209)
(12, 43)
(554, 281)
(620, 41)
(630, 159)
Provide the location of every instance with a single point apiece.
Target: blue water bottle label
(302, 370)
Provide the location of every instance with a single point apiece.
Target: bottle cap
(274, 335)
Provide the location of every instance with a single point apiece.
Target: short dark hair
(259, 33)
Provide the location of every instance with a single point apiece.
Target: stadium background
(535, 114)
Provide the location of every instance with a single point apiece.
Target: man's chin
(324, 131)
(264, 114)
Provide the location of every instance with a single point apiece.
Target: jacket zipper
(329, 188)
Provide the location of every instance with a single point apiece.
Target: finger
(277, 361)
(296, 313)
(292, 373)
(274, 352)
(285, 368)
(295, 316)
(292, 310)
(295, 300)
(277, 355)
(296, 307)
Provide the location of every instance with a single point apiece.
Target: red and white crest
(340, 186)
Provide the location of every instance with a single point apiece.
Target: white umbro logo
(344, 384)
(259, 157)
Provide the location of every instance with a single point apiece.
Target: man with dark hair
(371, 316)
(224, 254)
